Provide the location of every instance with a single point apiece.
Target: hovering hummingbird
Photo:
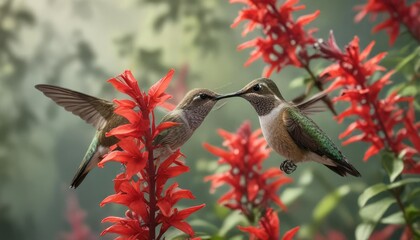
(289, 131)
(189, 113)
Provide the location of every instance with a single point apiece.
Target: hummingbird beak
(235, 94)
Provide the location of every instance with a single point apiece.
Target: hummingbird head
(198, 98)
(262, 93)
(197, 104)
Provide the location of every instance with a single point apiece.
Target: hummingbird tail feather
(343, 168)
(78, 179)
(90, 160)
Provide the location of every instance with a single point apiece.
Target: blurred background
(79, 44)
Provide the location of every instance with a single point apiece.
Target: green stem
(409, 224)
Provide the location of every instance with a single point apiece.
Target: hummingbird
(289, 131)
(189, 114)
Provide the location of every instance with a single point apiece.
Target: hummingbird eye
(257, 87)
(203, 96)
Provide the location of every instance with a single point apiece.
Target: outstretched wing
(307, 135)
(313, 105)
(93, 110)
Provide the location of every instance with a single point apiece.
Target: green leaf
(409, 90)
(371, 192)
(374, 211)
(371, 215)
(329, 202)
(221, 211)
(289, 195)
(234, 219)
(395, 218)
(306, 178)
(403, 182)
(364, 230)
(393, 166)
(203, 225)
(405, 61)
(203, 236)
(413, 195)
(380, 187)
(413, 213)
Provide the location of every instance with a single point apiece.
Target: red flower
(398, 13)
(246, 151)
(285, 40)
(76, 217)
(269, 228)
(151, 210)
(379, 120)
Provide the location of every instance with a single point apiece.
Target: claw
(288, 166)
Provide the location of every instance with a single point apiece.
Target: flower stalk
(252, 190)
(351, 72)
(151, 211)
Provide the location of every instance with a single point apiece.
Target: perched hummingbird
(289, 131)
(189, 113)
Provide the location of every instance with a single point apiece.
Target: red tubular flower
(398, 13)
(379, 120)
(76, 217)
(246, 151)
(269, 228)
(285, 40)
(151, 210)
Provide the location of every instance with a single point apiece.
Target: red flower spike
(269, 228)
(76, 217)
(246, 151)
(379, 120)
(398, 13)
(285, 41)
(151, 209)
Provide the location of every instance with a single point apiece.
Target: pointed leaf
(234, 219)
(374, 211)
(329, 202)
(371, 192)
(364, 230)
(395, 218)
(371, 215)
(392, 165)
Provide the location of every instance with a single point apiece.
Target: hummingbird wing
(175, 136)
(307, 135)
(313, 105)
(93, 110)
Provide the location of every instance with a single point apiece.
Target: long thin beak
(235, 94)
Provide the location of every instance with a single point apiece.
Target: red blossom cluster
(268, 228)
(252, 189)
(151, 210)
(76, 217)
(285, 41)
(398, 13)
(382, 122)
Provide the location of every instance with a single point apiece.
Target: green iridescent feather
(309, 136)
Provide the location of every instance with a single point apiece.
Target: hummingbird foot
(288, 166)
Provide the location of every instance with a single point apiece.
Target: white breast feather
(268, 121)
